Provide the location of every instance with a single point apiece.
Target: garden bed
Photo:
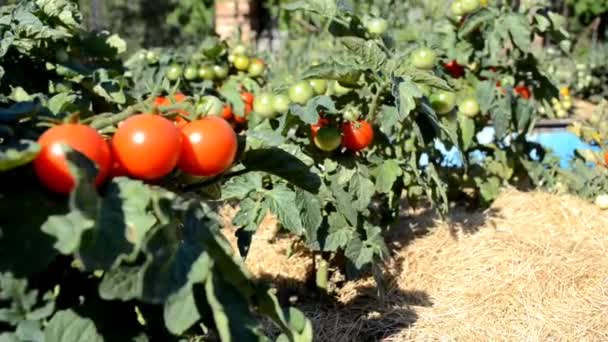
(533, 267)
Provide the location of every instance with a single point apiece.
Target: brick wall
(232, 15)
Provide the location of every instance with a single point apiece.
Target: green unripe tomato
(263, 105)
(210, 106)
(339, 89)
(319, 86)
(351, 114)
(241, 62)
(239, 49)
(300, 92)
(281, 103)
(221, 71)
(456, 8)
(191, 72)
(469, 6)
(328, 139)
(443, 102)
(376, 26)
(206, 72)
(423, 58)
(151, 57)
(256, 68)
(174, 72)
(231, 58)
(469, 107)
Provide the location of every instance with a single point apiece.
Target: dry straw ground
(533, 267)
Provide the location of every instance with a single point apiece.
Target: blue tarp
(561, 142)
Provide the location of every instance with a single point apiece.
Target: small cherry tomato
(191, 73)
(469, 107)
(174, 72)
(319, 86)
(454, 69)
(322, 122)
(357, 135)
(328, 139)
(51, 166)
(256, 68)
(281, 103)
(523, 91)
(300, 92)
(241, 63)
(443, 101)
(227, 113)
(221, 71)
(206, 72)
(209, 147)
(423, 58)
(263, 105)
(376, 26)
(247, 97)
(147, 146)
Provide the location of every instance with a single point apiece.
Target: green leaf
(15, 155)
(418, 76)
(61, 102)
(330, 70)
(30, 331)
(231, 313)
(467, 130)
(484, 93)
(281, 163)
(310, 214)
(386, 174)
(249, 217)
(367, 53)
(310, 113)
(362, 189)
(344, 202)
(340, 233)
(180, 310)
(326, 8)
(122, 283)
(230, 91)
(489, 188)
(67, 326)
(474, 21)
(520, 30)
(389, 118)
(241, 186)
(281, 201)
(358, 253)
(405, 92)
(501, 116)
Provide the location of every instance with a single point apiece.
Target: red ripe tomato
(247, 97)
(243, 119)
(180, 122)
(147, 146)
(51, 166)
(227, 113)
(209, 146)
(523, 91)
(316, 127)
(117, 170)
(357, 135)
(454, 69)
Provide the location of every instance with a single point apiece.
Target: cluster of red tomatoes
(145, 146)
(352, 135)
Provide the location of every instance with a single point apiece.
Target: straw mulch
(533, 267)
